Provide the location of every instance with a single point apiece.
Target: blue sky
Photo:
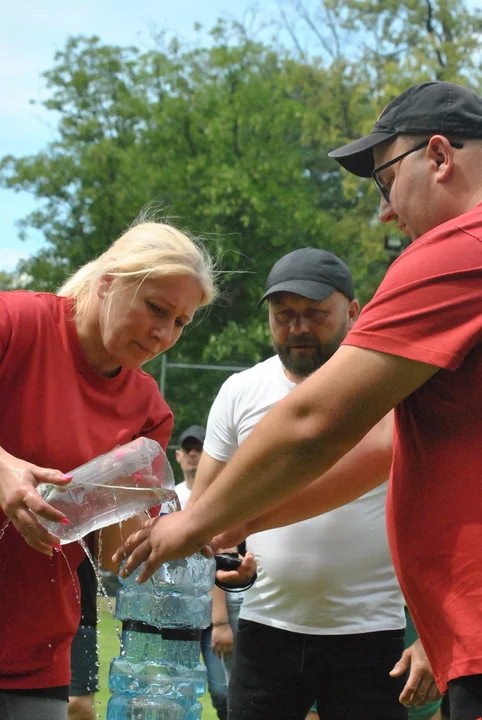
(31, 31)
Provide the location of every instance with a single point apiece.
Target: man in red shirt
(416, 347)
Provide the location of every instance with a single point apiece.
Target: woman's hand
(222, 640)
(19, 500)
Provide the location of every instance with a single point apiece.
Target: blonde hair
(148, 249)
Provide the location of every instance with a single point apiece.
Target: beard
(307, 362)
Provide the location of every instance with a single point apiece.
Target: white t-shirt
(328, 575)
(183, 493)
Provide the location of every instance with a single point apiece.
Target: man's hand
(169, 538)
(420, 687)
(241, 575)
(160, 539)
(222, 640)
(19, 500)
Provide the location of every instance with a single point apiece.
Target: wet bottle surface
(158, 674)
(111, 488)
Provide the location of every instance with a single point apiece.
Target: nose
(385, 212)
(300, 324)
(164, 334)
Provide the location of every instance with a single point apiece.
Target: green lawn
(109, 648)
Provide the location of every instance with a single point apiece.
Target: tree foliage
(230, 139)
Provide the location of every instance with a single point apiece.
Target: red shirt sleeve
(429, 306)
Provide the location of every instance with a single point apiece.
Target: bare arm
(301, 438)
(305, 434)
(368, 463)
(222, 633)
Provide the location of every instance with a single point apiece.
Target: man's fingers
(433, 692)
(408, 693)
(129, 545)
(427, 691)
(420, 695)
(402, 665)
(149, 568)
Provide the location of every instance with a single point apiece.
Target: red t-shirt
(429, 309)
(58, 412)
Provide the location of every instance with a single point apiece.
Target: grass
(109, 648)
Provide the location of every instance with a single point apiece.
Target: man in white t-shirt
(325, 620)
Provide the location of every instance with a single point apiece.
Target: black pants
(465, 696)
(279, 674)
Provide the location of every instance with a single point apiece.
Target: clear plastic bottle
(111, 488)
(158, 675)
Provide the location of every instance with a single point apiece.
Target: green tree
(230, 139)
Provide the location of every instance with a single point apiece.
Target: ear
(178, 456)
(441, 155)
(104, 286)
(353, 312)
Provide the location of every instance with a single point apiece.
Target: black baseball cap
(310, 272)
(429, 107)
(193, 431)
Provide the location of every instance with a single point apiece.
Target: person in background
(417, 347)
(72, 388)
(325, 620)
(84, 682)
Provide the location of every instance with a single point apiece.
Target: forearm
(286, 452)
(303, 436)
(207, 472)
(367, 466)
(220, 608)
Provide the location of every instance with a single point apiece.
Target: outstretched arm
(302, 437)
(207, 471)
(368, 464)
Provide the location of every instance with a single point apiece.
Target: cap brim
(305, 288)
(357, 156)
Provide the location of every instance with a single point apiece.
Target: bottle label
(180, 634)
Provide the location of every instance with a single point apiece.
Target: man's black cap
(309, 272)
(429, 107)
(193, 431)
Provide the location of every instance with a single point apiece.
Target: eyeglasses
(385, 191)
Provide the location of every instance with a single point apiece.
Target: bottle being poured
(111, 488)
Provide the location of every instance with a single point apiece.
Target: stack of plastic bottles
(158, 675)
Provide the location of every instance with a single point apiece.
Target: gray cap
(193, 431)
(311, 273)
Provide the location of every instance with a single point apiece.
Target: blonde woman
(72, 388)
